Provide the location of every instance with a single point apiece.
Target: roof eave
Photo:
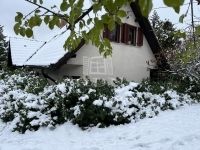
(147, 29)
(67, 56)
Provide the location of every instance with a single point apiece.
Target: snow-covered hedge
(82, 102)
(24, 80)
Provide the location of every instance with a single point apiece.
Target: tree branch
(82, 16)
(63, 16)
(31, 12)
(56, 14)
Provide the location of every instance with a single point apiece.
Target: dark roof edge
(67, 56)
(9, 55)
(150, 36)
(146, 27)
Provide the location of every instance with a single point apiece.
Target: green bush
(86, 103)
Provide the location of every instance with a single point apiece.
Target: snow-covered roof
(26, 52)
(22, 49)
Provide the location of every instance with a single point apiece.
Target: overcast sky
(8, 9)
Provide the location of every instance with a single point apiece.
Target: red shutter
(139, 37)
(118, 33)
(124, 34)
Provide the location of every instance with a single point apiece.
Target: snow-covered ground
(171, 130)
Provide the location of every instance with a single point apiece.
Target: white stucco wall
(127, 61)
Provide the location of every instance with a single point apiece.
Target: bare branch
(54, 13)
(30, 13)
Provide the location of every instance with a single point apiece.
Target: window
(132, 31)
(97, 65)
(131, 35)
(114, 35)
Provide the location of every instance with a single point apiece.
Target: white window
(97, 65)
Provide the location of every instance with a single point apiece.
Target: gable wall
(127, 61)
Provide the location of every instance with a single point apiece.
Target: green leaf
(19, 17)
(145, 7)
(35, 21)
(197, 29)
(64, 6)
(121, 13)
(46, 19)
(81, 25)
(89, 21)
(71, 2)
(111, 25)
(17, 28)
(174, 4)
(51, 24)
(22, 31)
(105, 18)
(29, 32)
(96, 7)
(120, 3)
(41, 1)
(181, 18)
(56, 21)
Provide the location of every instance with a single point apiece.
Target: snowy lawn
(171, 130)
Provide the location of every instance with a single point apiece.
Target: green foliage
(181, 18)
(167, 35)
(174, 82)
(73, 12)
(89, 104)
(120, 82)
(175, 5)
(79, 96)
(3, 50)
(146, 6)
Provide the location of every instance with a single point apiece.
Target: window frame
(97, 66)
(124, 35)
(137, 35)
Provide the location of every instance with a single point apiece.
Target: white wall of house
(127, 61)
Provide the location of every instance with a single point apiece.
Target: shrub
(85, 103)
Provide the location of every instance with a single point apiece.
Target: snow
(38, 53)
(98, 102)
(22, 49)
(171, 130)
(84, 98)
(50, 53)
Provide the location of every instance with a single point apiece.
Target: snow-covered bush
(84, 103)
(177, 83)
(24, 80)
(19, 100)
(24, 109)
(73, 100)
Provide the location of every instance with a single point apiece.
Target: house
(134, 53)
